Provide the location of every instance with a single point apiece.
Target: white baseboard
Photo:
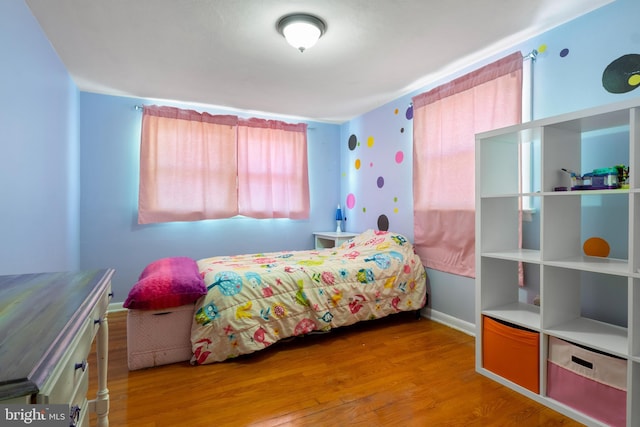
(436, 316)
(450, 321)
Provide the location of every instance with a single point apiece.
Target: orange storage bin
(512, 352)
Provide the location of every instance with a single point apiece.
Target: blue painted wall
(567, 77)
(39, 145)
(109, 232)
(53, 220)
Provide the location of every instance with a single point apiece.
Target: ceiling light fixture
(301, 30)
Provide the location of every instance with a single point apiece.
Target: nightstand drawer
(63, 383)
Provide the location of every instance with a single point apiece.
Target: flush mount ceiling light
(301, 30)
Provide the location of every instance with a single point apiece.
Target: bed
(250, 302)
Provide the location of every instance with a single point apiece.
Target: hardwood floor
(397, 371)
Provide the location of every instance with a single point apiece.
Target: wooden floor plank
(397, 371)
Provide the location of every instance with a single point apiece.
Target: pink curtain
(184, 166)
(273, 177)
(445, 122)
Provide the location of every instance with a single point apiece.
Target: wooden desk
(48, 323)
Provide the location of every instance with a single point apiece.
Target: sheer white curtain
(445, 122)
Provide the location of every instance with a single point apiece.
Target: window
(445, 122)
(196, 166)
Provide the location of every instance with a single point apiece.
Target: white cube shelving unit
(562, 266)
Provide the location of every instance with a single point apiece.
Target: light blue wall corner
(39, 186)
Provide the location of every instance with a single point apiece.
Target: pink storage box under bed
(592, 382)
(159, 337)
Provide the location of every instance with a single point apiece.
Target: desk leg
(102, 350)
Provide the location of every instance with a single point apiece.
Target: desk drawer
(66, 377)
(80, 402)
(100, 309)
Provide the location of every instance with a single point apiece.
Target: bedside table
(331, 239)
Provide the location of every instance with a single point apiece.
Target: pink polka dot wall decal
(371, 164)
(357, 164)
(370, 141)
(351, 201)
(380, 182)
(399, 157)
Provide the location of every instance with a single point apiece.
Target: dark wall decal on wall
(353, 142)
(623, 74)
(383, 223)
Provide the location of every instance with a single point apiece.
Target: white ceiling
(228, 53)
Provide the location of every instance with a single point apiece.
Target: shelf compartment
(575, 308)
(592, 333)
(634, 320)
(501, 296)
(633, 408)
(505, 160)
(589, 381)
(511, 352)
(634, 231)
(500, 226)
(570, 144)
(569, 220)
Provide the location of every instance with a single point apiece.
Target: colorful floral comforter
(256, 300)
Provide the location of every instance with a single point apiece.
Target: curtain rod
(141, 108)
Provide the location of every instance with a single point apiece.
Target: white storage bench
(159, 337)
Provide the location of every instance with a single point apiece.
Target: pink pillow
(165, 283)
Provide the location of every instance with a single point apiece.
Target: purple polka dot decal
(380, 182)
(564, 52)
(409, 113)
